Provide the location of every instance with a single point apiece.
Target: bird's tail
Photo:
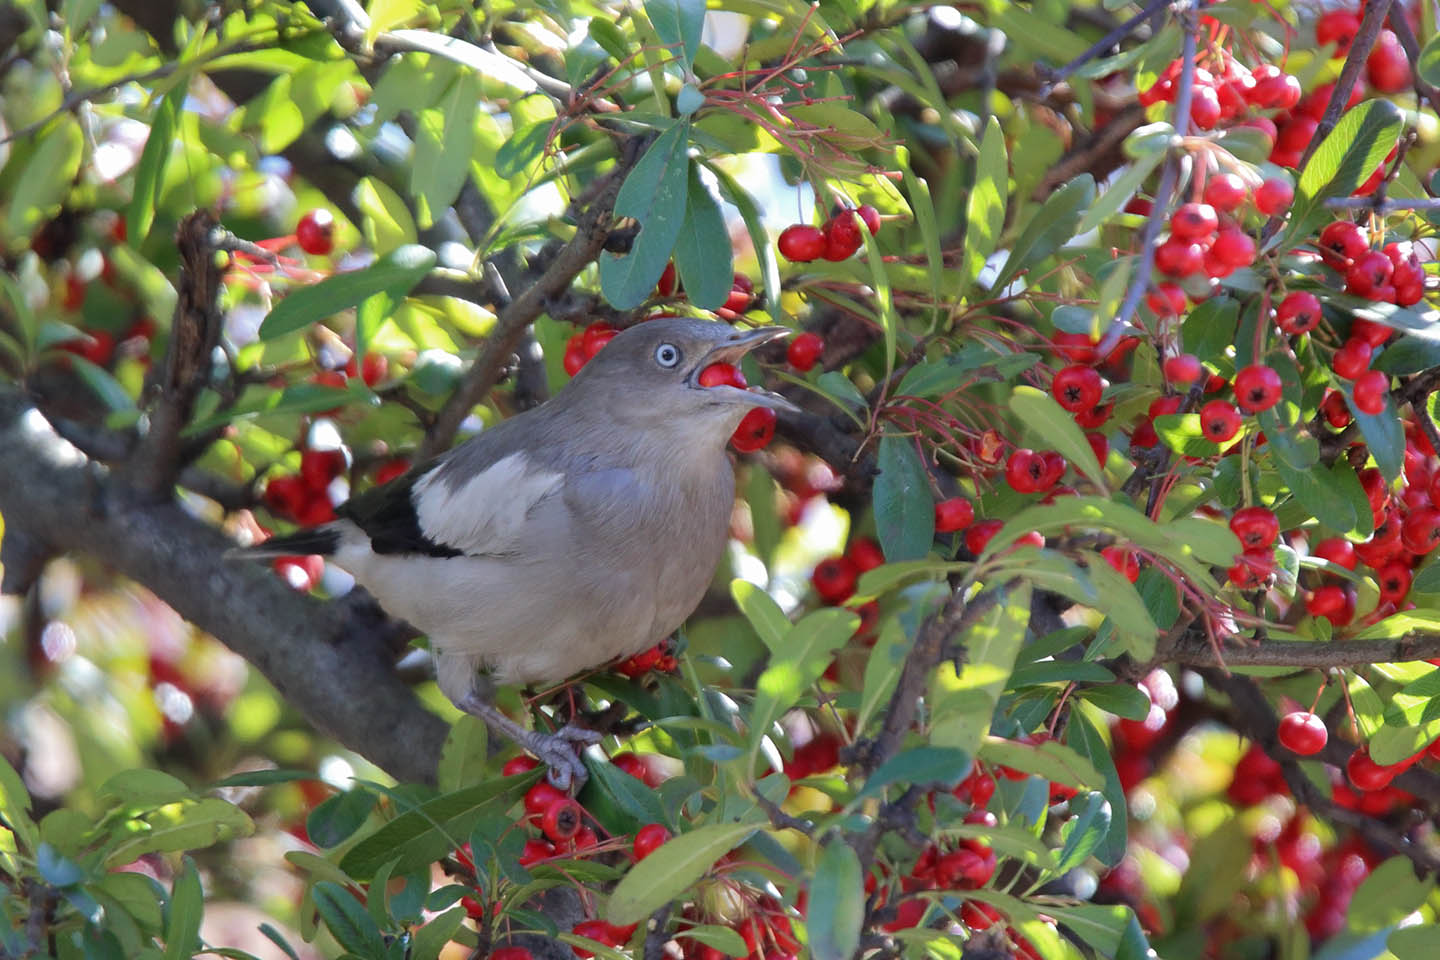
(324, 540)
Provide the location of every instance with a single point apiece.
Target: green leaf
(972, 362)
(679, 23)
(462, 758)
(1369, 708)
(1051, 760)
(724, 939)
(671, 869)
(1388, 895)
(1399, 624)
(348, 922)
(654, 194)
(702, 251)
(335, 819)
(963, 703)
(183, 825)
(985, 208)
(1112, 930)
(837, 903)
(759, 239)
(1121, 190)
(1049, 228)
(1209, 329)
(1420, 942)
(46, 178)
(1085, 739)
(1383, 435)
(395, 273)
(918, 765)
(1122, 699)
(1427, 65)
(150, 171)
(1048, 421)
(444, 143)
(1321, 494)
(1088, 824)
(923, 207)
(427, 942)
(1345, 158)
(628, 793)
(184, 913)
(763, 613)
(882, 669)
(15, 803)
(142, 788)
(796, 664)
(522, 149)
(425, 834)
(904, 505)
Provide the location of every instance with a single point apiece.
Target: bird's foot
(560, 752)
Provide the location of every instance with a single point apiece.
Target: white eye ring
(667, 355)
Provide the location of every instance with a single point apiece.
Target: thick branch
(330, 660)
(1195, 650)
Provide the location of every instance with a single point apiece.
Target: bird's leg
(556, 750)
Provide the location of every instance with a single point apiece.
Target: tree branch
(1194, 650)
(330, 660)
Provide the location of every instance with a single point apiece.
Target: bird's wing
(480, 510)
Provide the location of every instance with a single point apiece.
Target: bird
(578, 532)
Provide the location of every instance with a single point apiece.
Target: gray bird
(581, 531)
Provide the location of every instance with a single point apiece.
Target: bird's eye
(667, 355)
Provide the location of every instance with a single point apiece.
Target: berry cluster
(836, 240)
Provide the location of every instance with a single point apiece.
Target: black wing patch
(387, 515)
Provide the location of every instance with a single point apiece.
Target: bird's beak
(731, 351)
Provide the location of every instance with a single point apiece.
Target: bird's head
(651, 371)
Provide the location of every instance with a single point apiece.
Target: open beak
(731, 351)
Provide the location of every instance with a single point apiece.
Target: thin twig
(1105, 43)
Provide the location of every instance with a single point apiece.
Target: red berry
(1252, 569)
(980, 534)
(1334, 602)
(1366, 774)
(315, 233)
(1205, 107)
(1338, 27)
(1193, 221)
(667, 284)
(541, 797)
(536, 850)
(1123, 560)
(561, 819)
(756, 430)
(834, 579)
(1387, 67)
(511, 953)
(319, 467)
(1077, 387)
(1298, 313)
(871, 216)
(1255, 526)
(1182, 370)
(842, 237)
(1336, 550)
(1367, 273)
(518, 765)
(1166, 300)
(722, 375)
(742, 294)
(288, 495)
(1179, 258)
(1421, 530)
(1342, 242)
(804, 351)
(801, 243)
(1394, 580)
(1025, 470)
(1225, 192)
(1257, 388)
(1352, 359)
(1233, 247)
(1098, 446)
(575, 357)
(864, 554)
(1219, 421)
(1274, 196)
(1371, 389)
(1303, 733)
(953, 514)
(648, 839)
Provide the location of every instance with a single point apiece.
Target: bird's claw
(558, 752)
